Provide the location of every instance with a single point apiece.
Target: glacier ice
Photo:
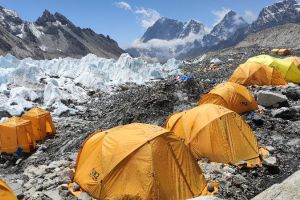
(56, 81)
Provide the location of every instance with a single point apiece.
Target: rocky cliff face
(51, 36)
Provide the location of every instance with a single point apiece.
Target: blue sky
(127, 20)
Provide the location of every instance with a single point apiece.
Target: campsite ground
(46, 172)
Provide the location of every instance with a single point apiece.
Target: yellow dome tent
(138, 160)
(16, 133)
(217, 133)
(295, 60)
(232, 96)
(6, 192)
(42, 123)
(253, 73)
(286, 68)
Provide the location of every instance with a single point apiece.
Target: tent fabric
(138, 160)
(6, 192)
(232, 96)
(295, 60)
(253, 73)
(286, 68)
(16, 133)
(42, 123)
(217, 133)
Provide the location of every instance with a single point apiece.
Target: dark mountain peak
(62, 19)
(163, 20)
(230, 13)
(164, 28)
(194, 27)
(289, 2)
(230, 23)
(193, 22)
(234, 17)
(46, 17)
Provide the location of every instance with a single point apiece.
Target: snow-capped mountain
(192, 27)
(286, 11)
(280, 13)
(231, 30)
(51, 36)
(164, 28)
(170, 38)
(225, 29)
(170, 29)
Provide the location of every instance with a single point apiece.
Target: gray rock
(271, 149)
(270, 99)
(287, 113)
(238, 179)
(84, 196)
(269, 161)
(288, 189)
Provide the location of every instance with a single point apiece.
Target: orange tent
(15, 133)
(138, 160)
(232, 96)
(6, 192)
(42, 123)
(253, 73)
(216, 133)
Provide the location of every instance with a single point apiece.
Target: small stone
(76, 187)
(84, 196)
(271, 149)
(238, 179)
(270, 161)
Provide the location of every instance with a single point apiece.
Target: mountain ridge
(225, 34)
(51, 36)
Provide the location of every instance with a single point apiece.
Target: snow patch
(35, 31)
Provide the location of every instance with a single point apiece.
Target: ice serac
(51, 36)
(61, 82)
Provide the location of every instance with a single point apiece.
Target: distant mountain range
(51, 36)
(169, 38)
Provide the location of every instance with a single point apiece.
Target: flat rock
(288, 189)
(287, 113)
(270, 99)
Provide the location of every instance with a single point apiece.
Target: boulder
(291, 113)
(292, 94)
(271, 99)
(288, 189)
(269, 161)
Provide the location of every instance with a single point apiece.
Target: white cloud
(147, 17)
(220, 14)
(249, 16)
(123, 5)
(167, 44)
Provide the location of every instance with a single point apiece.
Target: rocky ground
(44, 174)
